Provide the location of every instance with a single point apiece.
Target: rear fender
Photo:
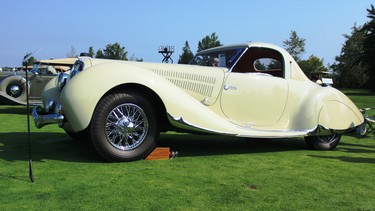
(339, 115)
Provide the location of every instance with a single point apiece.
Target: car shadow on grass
(21, 110)
(353, 152)
(347, 159)
(189, 145)
(59, 146)
(45, 146)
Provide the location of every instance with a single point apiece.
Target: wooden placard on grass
(159, 153)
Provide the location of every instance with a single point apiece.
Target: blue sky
(141, 26)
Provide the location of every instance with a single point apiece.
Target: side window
(267, 65)
(222, 58)
(261, 60)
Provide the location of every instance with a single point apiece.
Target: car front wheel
(124, 127)
(328, 142)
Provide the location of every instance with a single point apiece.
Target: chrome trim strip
(179, 122)
(238, 59)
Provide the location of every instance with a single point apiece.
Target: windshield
(49, 69)
(44, 69)
(224, 58)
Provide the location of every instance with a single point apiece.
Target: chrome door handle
(228, 87)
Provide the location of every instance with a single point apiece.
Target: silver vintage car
(13, 83)
(253, 90)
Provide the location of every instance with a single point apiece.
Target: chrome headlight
(61, 81)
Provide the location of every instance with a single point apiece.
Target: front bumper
(43, 118)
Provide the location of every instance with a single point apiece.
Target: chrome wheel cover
(327, 139)
(14, 90)
(126, 126)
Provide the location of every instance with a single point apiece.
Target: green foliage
(91, 52)
(209, 42)
(355, 66)
(313, 64)
(29, 61)
(113, 51)
(368, 56)
(99, 54)
(186, 55)
(295, 46)
(259, 66)
(350, 73)
(211, 172)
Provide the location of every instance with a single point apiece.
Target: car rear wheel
(124, 127)
(328, 142)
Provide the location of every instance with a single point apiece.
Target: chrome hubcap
(126, 126)
(14, 90)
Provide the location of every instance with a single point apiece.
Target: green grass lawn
(211, 172)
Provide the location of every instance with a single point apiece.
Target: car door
(255, 92)
(254, 99)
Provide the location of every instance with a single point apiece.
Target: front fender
(104, 77)
(14, 79)
(50, 91)
(90, 85)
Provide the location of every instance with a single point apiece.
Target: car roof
(243, 45)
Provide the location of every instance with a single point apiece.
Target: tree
(295, 46)
(30, 61)
(135, 59)
(313, 64)
(259, 65)
(186, 55)
(91, 52)
(99, 54)
(72, 53)
(208, 42)
(113, 51)
(349, 71)
(367, 58)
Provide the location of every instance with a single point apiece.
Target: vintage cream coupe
(252, 90)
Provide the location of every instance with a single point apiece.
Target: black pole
(31, 176)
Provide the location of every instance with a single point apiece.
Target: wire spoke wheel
(327, 139)
(126, 126)
(328, 142)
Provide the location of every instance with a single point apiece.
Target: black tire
(328, 142)
(124, 127)
(14, 86)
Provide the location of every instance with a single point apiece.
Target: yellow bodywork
(213, 99)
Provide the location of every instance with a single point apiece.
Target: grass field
(211, 172)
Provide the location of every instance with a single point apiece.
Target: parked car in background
(323, 78)
(252, 90)
(13, 83)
